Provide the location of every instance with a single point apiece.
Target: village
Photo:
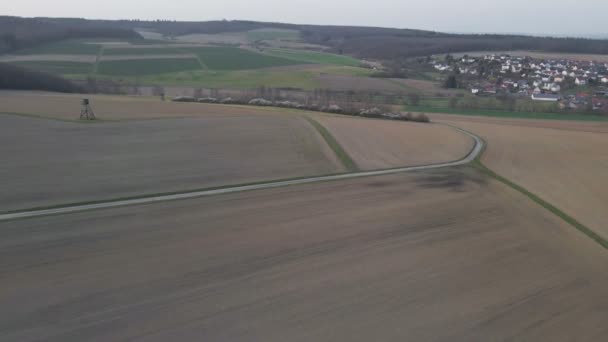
(573, 85)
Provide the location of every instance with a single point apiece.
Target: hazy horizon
(542, 17)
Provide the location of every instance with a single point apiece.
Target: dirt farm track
(448, 254)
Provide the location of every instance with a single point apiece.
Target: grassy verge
(345, 159)
(503, 114)
(569, 219)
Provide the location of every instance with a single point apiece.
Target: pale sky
(550, 17)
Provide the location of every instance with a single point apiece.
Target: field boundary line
(335, 146)
(156, 198)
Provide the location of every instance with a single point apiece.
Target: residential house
(522, 84)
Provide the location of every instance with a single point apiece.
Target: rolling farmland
(279, 144)
(227, 58)
(196, 64)
(170, 219)
(427, 255)
(360, 260)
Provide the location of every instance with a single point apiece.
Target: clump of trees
(17, 78)
(451, 82)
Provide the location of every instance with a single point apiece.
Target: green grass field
(215, 66)
(240, 79)
(314, 57)
(143, 51)
(147, 66)
(57, 67)
(227, 58)
(306, 78)
(65, 47)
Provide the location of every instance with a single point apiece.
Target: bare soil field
(382, 144)
(437, 256)
(286, 44)
(48, 162)
(237, 38)
(67, 107)
(565, 163)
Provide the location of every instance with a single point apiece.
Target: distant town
(571, 84)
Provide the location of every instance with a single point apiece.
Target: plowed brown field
(67, 107)
(48, 162)
(565, 163)
(381, 144)
(433, 256)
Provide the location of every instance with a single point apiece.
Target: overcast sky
(550, 17)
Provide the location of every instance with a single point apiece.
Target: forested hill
(18, 33)
(363, 42)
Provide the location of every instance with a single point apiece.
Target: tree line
(17, 78)
(19, 33)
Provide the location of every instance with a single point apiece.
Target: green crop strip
(346, 160)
